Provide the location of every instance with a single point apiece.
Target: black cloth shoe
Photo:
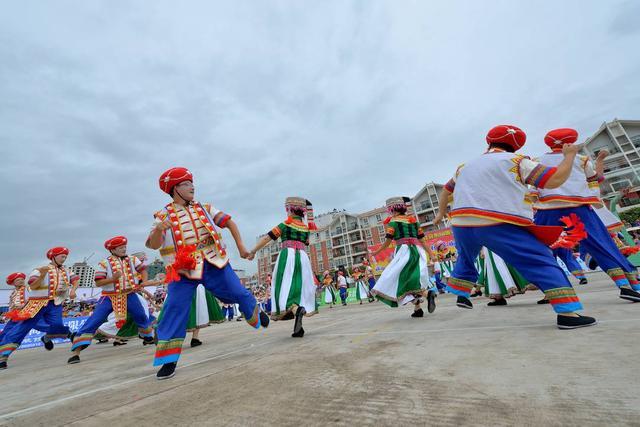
(417, 313)
(629, 294)
(463, 302)
(48, 344)
(499, 301)
(543, 301)
(167, 371)
(73, 359)
(148, 340)
(298, 334)
(476, 294)
(102, 341)
(117, 343)
(297, 325)
(3, 365)
(431, 302)
(264, 319)
(195, 342)
(584, 281)
(568, 322)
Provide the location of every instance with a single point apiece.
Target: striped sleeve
(535, 174)
(221, 219)
(139, 265)
(35, 275)
(390, 231)
(276, 231)
(101, 271)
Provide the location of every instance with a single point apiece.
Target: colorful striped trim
(459, 286)
(148, 332)
(254, 321)
(618, 276)
(579, 274)
(450, 186)
(498, 216)
(571, 199)
(540, 175)
(221, 219)
(563, 300)
(633, 281)
(6, 350)
(82, 340)
(168, 351)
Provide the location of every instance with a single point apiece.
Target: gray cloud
(345, 103)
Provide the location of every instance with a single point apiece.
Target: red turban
(15, 276)
(174, 176)
(59, 250)
(507, 134)
(114, 242)
(558, 137)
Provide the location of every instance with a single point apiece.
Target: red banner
(445, 235)
(382, 259)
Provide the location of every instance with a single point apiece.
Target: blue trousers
(50, 315)
(598, 243)
(343, 295)
(223, 283)
(101, 312)
(566, 255)
(372, 282)
(521, 250)
(438, 278)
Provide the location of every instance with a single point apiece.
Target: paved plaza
(358, 365)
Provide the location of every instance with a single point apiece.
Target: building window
(365, 221)
(378, 217)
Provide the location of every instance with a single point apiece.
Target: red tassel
(184, 261)
(312, 226)
(387, 221)
(288, 221)
(573, 232)
(630, 250)
(16, 316)
(120, 323)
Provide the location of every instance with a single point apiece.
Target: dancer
(362, 290)
(293, 288)
(489, 209)
(186, 233)
(329, 290)
(578, 195)
(117, 277)
(50, 286)
(369, 275)
(120, 335)
(406, 278)
(342, 287)
(500, 281)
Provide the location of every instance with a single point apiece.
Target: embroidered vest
(128, 279)
(490, 187)
(575, 191)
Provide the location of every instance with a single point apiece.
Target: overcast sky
(343, 102)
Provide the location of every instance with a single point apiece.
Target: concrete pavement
(357, 365)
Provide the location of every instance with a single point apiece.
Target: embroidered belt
(294, 244)
(200, 246)
(408, 241)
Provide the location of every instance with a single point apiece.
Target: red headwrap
(15, 276)
(174, 176)
(114, 242)
(507, 134)
(58, 250)
(558, 137)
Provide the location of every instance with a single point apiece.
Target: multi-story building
(86, 273)
(426, 206)
(342, 238)
(622, 139)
